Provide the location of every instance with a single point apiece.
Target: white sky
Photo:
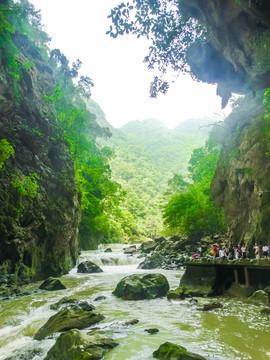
(116, 66)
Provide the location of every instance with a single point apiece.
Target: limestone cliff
(236, 52)
(241, 181)
(235, 55)
(38, 234)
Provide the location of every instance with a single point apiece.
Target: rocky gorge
(185, 305)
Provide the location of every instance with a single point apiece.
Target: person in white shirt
(265, 250)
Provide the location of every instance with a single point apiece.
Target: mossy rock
(152, 261)
(238, 290)
(88, 267)
(211, 306)
(170, 351)
(67, 302)
(142, 286)
(148, 246)
(67, 319)
(77, 345)
(177, 294)
(259, 297)
(52, 284)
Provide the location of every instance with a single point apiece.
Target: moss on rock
(142, 286)
(170, 351)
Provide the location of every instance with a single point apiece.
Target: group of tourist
(240, 251)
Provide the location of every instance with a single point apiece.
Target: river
(236, 332)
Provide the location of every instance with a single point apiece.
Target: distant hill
(147, 154)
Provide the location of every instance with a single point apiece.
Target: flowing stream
(237, 331)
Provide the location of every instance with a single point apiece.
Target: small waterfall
(116, 257)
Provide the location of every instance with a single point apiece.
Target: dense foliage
(169, 31)
(189, 209)
(147, 154)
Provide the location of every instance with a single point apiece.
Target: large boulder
(88, 267)
(52, 284)
(67, 319)
(76, 345)
(170, 351)
(142, 286)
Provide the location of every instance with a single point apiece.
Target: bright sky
(116, 66)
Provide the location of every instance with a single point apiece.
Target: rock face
(238, 43)
(75, 344)
(88, 267)
(142, 286)
(67, 319)
(241, 181)
(170, 351)
(38, 233)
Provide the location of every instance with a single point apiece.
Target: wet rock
(67, 302)
(108, 250)
(177, 294)
(211, 306)
(130, 250)
(170, 351)
(132, 322)
(260, 297)
(148, 246)
(52, 284)
(67, 319)
(152, 261)
(151, 330)
(88, 267)
(75, 344)
(99, 298)
(107, 261)
(142, 286)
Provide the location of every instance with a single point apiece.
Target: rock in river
(142, 286)
(76, 344)
(170, 351)
(67, 319)
(67, 302)
(88, 267)
(52, 284)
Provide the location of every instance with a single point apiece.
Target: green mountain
(147, 154)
